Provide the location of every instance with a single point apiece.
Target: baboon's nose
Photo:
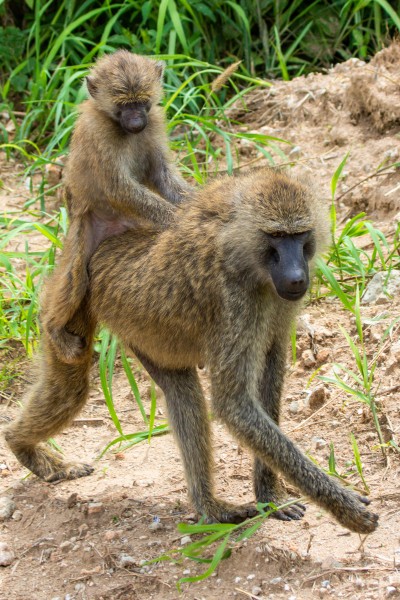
(296, 280)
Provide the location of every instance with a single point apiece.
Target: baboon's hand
(353, 515)
(294, 512)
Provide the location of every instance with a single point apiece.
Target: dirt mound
(351, 90)
(355, 108)
(374, 90)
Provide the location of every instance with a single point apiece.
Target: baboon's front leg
(190, 423)
(235, 403)
(266, 484)
(53, 402)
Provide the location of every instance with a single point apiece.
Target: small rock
(390, 591)
(294, 407)
(7, 507)
(317, 398)
(111, 535)
(308, 359)
(186, 540)
(94, 508)
(319, 442)
(323, 356)
(6, 555)
(65, 546)
(296, 151)
(331, 563)
(392, 154)
(72, 500)
(251, 576)
(126, 561)
(276, 581)
(156, 526)
(256, 591)
(186, 572)
(83, 529)
(238, 579)
(17, 516)
(375, 289)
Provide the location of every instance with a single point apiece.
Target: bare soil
(70, 539)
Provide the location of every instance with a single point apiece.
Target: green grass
(46, 49)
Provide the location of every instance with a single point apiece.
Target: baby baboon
(118, 177)
(220, 287)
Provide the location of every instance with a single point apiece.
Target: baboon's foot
(71, 470)
(224, 512)
(50, 465)
(69, 347)
(350, 511)
(294, 512)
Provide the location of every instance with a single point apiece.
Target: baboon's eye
(147, 106)
(272, 255)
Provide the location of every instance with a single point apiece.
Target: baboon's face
(133, 116)
(287, 258)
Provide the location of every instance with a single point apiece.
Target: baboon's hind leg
(188, 417)
(54, 401)
(266, 483)
(64, 293)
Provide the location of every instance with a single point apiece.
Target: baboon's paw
(49, 465)
(70, 471)
(355, 517)
(223, 512)
(294, 512)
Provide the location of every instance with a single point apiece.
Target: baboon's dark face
(287, 260)
(133, 116)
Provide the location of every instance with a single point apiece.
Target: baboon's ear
(91, 85)
(160, 66)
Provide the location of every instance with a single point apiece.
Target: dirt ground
(89, 538)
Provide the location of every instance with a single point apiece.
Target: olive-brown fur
(114, 181)
(200, 292)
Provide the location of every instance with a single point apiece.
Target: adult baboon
(220, 287)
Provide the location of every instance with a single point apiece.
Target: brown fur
(200, 292)
(114, 181)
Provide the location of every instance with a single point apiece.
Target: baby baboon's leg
(52, 404)
(188, 417)
(64, 292)
(266, 484)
